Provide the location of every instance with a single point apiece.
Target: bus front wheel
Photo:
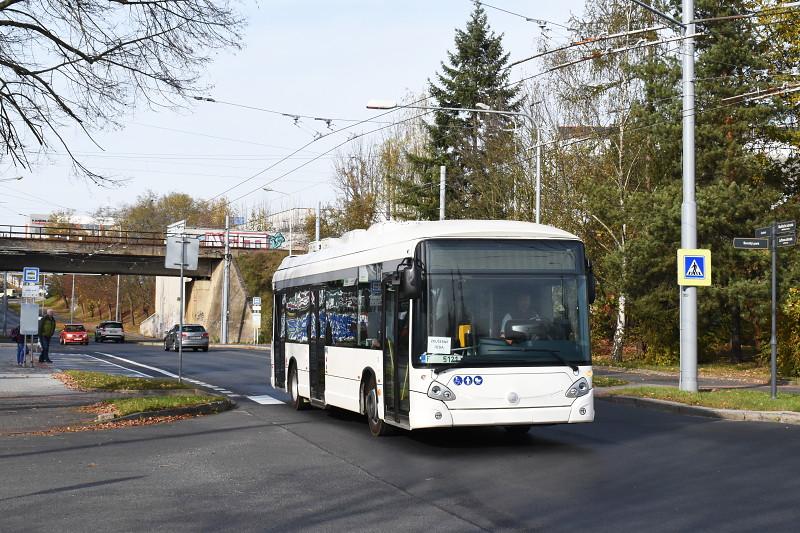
(377, 426)
(297, 401)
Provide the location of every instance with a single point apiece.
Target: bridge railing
(102, 235)
(82, 234)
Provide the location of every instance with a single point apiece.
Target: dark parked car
(109, 330)
(194, 336)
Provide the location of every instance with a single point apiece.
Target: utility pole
(223, 321)
(291, 231)
(116, 309)
(179, 335)
(319, 213)
(688, 381)
(538, 166)
(442, 180)
(72, 300)
(688, 294)
(5, 303)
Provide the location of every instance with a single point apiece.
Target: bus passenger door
(316, 345)
(396, 329)
(278, 342)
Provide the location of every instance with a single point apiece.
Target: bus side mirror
(591, 282)
(410, 279)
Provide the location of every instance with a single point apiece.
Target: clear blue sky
(313, 57)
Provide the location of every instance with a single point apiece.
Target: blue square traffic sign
(694, 266)
(30, 275)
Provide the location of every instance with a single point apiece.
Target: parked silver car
(194, 336)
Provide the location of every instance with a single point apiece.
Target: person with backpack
(47, 327)
(20, 340)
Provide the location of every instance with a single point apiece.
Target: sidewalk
(31, 399)
(641, 377)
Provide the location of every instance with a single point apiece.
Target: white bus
(439, 324)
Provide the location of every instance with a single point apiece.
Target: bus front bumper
(430, 413)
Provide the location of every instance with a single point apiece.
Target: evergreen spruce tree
(739, 181)
(476, 148)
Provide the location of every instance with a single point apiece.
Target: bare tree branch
(88, 62)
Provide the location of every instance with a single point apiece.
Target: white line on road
(265, 399)
(115, 364)
(154, 369)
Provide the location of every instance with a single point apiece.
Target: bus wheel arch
(366, 374)
(292, 385)
(369, 388)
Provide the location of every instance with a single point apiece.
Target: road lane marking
(114, 364)
(154, 369)
(265, 399)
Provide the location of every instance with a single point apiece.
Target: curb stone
(203, 409)
(782, 417)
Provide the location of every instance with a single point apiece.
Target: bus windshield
(503, 303)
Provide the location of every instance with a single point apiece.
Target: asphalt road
(267, 467)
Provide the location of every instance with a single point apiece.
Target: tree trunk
(133, 316)
(619, 332)
(736, 334)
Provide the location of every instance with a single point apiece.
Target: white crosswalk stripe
(82, 361)
(265, 399)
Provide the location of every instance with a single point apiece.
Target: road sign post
(778, 234)
(773, 338)
(177, 256)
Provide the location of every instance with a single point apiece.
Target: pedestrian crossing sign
(694, 267)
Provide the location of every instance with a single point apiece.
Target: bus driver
(523, 311)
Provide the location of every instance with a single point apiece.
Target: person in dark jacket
(17, 337)
(47, 327)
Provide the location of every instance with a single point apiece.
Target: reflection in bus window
(298, 315)
(341, 307)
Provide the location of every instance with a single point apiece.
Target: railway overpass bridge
(70, 250)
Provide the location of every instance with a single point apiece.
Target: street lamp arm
(661, 14)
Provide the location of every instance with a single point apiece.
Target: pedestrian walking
(20, 340)
(47, 326)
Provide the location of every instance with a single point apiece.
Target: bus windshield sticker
(439, 345)
(436, 358)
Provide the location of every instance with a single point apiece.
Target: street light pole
(72, 301)
(223, 330)
(481, 108)
(688, 295)
(116, 309)
(688, 381)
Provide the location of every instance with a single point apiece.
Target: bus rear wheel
(297, 401)
(377, 427)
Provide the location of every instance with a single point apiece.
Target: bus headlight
(578, 389)
(437, 391)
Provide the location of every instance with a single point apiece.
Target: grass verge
(127, 406)
(607, 381)
(100, 381)
(720, 399)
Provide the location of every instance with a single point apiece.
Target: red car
(73, 334)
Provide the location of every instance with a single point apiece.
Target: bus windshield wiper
(557, 355)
